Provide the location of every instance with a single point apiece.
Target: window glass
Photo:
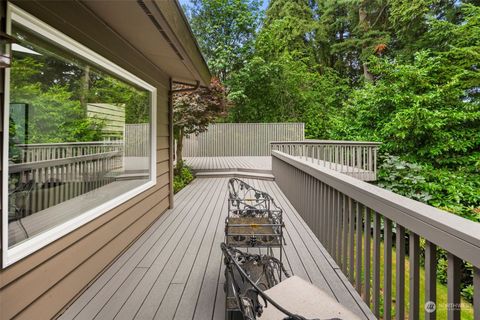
(78, 136)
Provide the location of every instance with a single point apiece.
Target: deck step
(250, 170)
(235, 174)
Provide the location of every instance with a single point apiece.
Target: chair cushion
(303, 298)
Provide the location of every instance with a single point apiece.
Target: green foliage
(225, 31)
(55, 115)
(403, 178)
(285, 90)
(405, 73)
(194, 110)
(182, 177)
(288, 27)
(453, 191)
(106, 89)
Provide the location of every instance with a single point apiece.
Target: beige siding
(40, 285)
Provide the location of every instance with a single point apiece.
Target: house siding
(42, 284)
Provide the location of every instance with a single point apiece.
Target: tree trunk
(179, 149)
(85, 83)
(363, 22)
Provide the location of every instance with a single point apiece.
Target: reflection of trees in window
(57, 87)
(106, 89)
(55, 115)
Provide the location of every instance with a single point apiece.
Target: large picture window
(79, 136)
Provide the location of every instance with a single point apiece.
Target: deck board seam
(169, 257)
(136, 266)
(202, 241)
(153, 206)
(212, 243)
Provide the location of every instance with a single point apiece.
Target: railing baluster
(453, 283)
(351, 234)
(414, 275)
(345, 209)
(430, 278)
(400, 273)
(367, 248)
(347, 231)
(376, 264)
(476, 293)
(387, 268)
(333, 221)
(323, 227)
(339, 229)
(329, 218)
(358, 271)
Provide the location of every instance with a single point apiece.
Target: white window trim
(12, 255)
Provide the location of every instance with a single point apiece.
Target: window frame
(59, 39)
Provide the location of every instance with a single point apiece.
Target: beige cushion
(303, 298)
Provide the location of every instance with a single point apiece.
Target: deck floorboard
(175, 270)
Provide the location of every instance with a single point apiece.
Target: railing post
(414, 275)
(351, 235)
(358, 271)
(367, 248)
(400, 273)
(376, 264)
(453, 283)
(387, 276)
(476, 293)
(430, 279)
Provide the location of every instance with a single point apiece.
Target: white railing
(51, 151)
(354, 158)
(55, 172)
(240, 139)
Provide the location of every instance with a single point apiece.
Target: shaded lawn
(442, 290)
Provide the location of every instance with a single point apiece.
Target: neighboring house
(72, 200)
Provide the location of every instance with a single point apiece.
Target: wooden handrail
(332, 142)
(66, 144)
(27, 166)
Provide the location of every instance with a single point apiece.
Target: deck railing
(240, 139)
(354, 219)
(358, 159)
(51, 151)
(52, 173)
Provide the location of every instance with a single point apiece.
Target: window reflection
(78, 136)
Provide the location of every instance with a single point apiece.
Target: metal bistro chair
(251, 275)
(254, 219)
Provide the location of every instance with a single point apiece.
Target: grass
(442, 290)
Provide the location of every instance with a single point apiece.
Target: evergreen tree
(288, 28)
(225, 31)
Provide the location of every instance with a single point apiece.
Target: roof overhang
(160, 31)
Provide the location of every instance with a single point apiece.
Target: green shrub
(182, 176)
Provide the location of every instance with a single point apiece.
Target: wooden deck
(261, 164)
(260, 167)
(175, 270)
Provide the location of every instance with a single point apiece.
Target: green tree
(194, 110)
(428, 111)
(55, 115)
(288, 28)
(225, 31)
